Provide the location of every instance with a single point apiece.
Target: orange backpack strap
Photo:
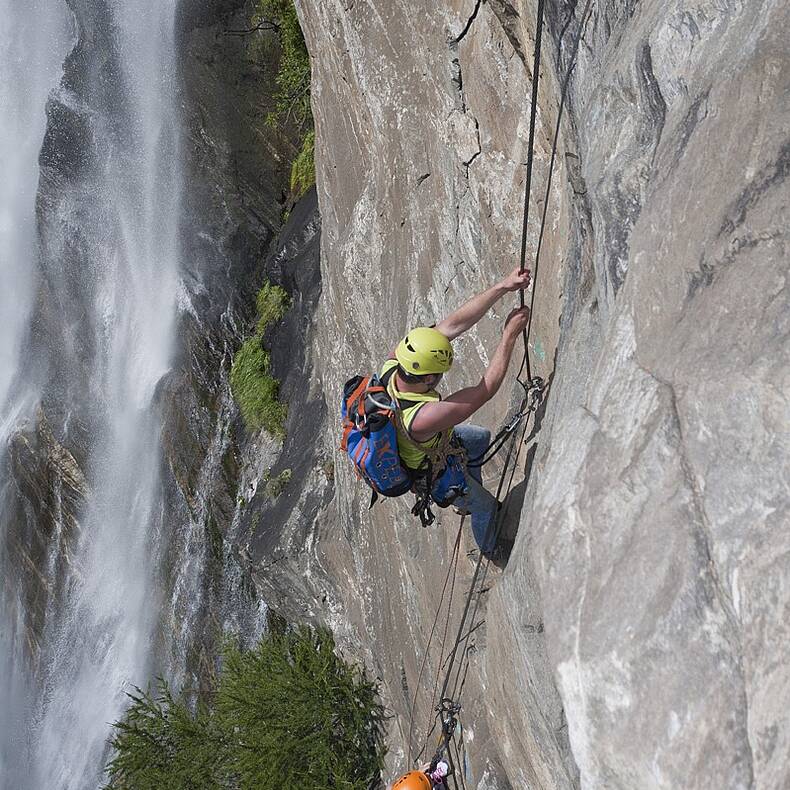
(348, 423)
(360, 388)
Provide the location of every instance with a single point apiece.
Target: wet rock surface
(237, 180)
(48, 493)
(633, 640)
(287, 488)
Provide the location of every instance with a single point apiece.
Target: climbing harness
(448, 710)
(441, 488)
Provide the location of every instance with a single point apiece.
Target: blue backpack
(369, 436)
(370, 440)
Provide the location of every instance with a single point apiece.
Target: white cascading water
(98, 636)
(34, 39)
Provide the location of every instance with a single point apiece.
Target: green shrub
(289, 713)
(255, 390)
(305, 717)
(272, 303)
(275, 485)
(303, 167)
(160, 743)
(292, 97)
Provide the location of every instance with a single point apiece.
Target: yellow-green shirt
(409, 449)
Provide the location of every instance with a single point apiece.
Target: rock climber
(429, 424)
(426, 778)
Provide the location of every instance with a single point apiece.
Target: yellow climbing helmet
(424, 351)
(414, 780)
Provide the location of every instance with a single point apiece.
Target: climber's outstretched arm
(438, 416)
(466, 316)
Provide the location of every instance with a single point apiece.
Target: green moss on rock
(276, 485)
(293, 73)
(255, 390)
(272, 303)
(292, 96)
(303, 167)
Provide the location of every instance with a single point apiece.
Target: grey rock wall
(635, 639)
(237, 177)
(47, 494)
(421, 135)
(660, 516)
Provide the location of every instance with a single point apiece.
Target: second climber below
(429, 425)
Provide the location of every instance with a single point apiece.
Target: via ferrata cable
(524, 225)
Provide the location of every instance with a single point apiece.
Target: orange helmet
(414, 780)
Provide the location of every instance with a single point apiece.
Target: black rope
(498, 524)
(531, 393)
(500, 519)
(444, 641)
(458, 689)
(451, 764)
(563, 94)
(533, 114)
(464, 615)
(451, 568)
(496, 444)
(461, 762)
(511, 437)
(446, 620)
(503, 514)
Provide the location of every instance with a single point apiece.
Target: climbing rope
(533, 114)
(460, 679)
(453, 567)
(523, 265)
(561, 108)
(497, 443)
(448, 710)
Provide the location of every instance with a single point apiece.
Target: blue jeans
(481, 505)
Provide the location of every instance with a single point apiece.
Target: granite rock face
(49, 493)
(635, 638)
(664, 545)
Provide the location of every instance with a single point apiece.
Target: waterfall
(108, 249)
(32, 47)
(34, 39)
